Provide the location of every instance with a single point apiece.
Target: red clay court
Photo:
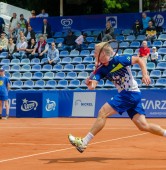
(42, 144)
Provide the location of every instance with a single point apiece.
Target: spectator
(69, 41)
(154, 55)
(21, 49)
(52, 55)
(31, 46)
(23, 23)
(80, 40)
(46, 29)
(144, 52)
(43, 14)
(21, 34)
(107, 34)
(40, 49)
(137, 28)
(151, 32)
(2, 25)
(4, 88)
(145, 21)
(33, 15)
(17, 32)
(3, 43)
(29, 34)
(11, 48)
(13, 24)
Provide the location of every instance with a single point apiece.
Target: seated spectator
(17, 32)
(13, 24)
(3, 43)
(151, 32)
(11, 48)
(69, 41)
(43, 14)
(33, 15)
(154, 55)
(52, 55)
(29, 34)
(106, 34)
(21, 49)
(80, 41)
(23, 23)
(30, 47)
(144, 52)
(21, 34)
(2, 25)
(145, 21)
(137, 28)
(41, 48)
(46, 29)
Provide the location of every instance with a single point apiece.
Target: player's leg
(142, 124)
(1, 109)
(7, 108)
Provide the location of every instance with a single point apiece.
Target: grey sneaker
(77, 142)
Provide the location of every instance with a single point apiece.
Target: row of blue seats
(74, 84)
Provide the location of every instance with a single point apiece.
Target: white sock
(87, 138)
(164, 133)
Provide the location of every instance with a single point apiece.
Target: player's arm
(141, 63)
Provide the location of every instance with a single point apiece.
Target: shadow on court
(92, 159)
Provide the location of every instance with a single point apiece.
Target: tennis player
(4, 88)
(117, 70)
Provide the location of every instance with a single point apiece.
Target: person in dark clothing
(137, 27)
(29, 34)
(46, 29)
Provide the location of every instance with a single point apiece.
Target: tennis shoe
(77, 142)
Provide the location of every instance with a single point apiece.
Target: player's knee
(142, 126)
(102, 114)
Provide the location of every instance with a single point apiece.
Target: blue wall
(122, 21)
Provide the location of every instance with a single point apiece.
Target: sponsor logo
(80, 103)
(50, 105)
(67, 22)
(159, 20)
(29, 105)
(113, 20)
(154, 104)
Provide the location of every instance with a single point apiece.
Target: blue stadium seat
(88, 60)
(82, 75)
(100, 84)
(62, 84)
(83, 85)
(73, 84)
(117, 31)
(3, 54)
(15, 61)
(47, 67)
(71, 76)
(150, 66)
(85, 53)
(127, 32)
(164, 74)
(50, 40)
(149, 44)
(48, 75)
(59, 40)
(161, 82)
(25, 67)
(50, 84)
(135, 44)
(39, 84)
(130, 38)
(91, 46)
(5, 61)
(157, 43)
(89, 33)
(139, 75)
(66, 60)
(14, 68)
(96, 33)
(64, 53)
(25, 61)
(17, 84)
(162, 37)
(136, 51)
(77, 60)
(6, 67)
(74, 53)
(162, 51)
(77, 33)
(28, 84)
(43, 60)
(8, 75)
(90, 67)
(139, 82)
(141, 37)
(36, 67)
(155, 74)
(119, 51)
(124, 44)
(16, 76)
(120, 38)
(38, 75)
(128, 51)
(26, 76)
(58, 34)
(68, 67)
(59, 76)
(35, 61)
(90, 39)
(161, 66)
(160, 58)
(57, 67)
(134, 73)
(164, 44)
(79, 67)
(92, 52)
(136, 67)
(109, 84)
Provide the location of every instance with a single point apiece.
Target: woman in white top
(154, 55)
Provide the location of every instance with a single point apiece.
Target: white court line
(44, 144)
(59, 150)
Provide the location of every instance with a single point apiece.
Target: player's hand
(146, 79)
(92, 84)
